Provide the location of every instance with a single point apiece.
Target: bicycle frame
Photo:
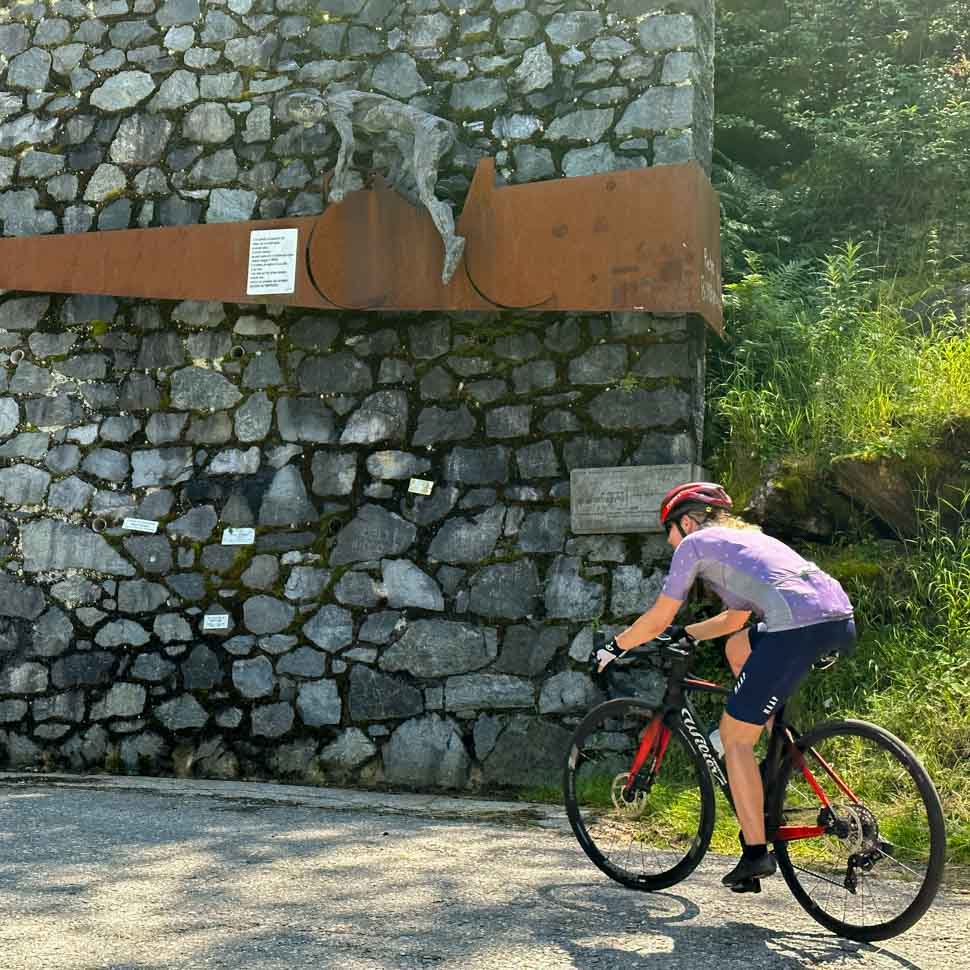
(679, 713)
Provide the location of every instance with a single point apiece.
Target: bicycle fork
(650, 753)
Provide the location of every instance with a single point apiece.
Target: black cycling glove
(673, 633)
(604, 654)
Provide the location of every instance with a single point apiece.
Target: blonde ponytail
(707, 516)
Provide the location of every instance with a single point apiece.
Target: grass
(825, 362)
(672, 810)
(669, 815)
(911, 673)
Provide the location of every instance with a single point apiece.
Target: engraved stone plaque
(606, 500)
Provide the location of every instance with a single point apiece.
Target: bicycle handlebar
(655, 650)
(670, 659)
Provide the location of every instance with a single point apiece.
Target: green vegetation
(824, 361)
(841, 121)
(911, 673)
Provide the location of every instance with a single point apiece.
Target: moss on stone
(112, 762)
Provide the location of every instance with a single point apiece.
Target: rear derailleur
(858, 829)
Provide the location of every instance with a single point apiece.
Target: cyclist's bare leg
(737, 650)
(739, 739)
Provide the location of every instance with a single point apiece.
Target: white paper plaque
(272, 261)
(215, 621)
(238, 537)
(420, 486)
(140, 525)
(617, 500)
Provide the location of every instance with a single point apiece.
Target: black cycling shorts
(778, 663)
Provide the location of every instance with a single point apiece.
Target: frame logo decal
(700, 742)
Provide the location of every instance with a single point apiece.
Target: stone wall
(374, 635)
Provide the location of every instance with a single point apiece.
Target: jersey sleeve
(683, 571)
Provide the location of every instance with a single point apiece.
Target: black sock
(752, 852)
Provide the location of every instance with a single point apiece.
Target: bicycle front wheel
(652, 833)
(877, 863)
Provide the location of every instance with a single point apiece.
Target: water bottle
(716, 743)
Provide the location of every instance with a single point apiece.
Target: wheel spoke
(913, 872)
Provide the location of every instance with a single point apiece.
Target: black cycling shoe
(747, 886)
(751, 869)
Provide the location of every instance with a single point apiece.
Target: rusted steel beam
(638, 239)
(643, 239)
(207, 262)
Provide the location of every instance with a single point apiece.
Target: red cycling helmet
(708, 493)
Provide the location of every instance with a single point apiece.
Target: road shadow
(198, 882)
(671, 915)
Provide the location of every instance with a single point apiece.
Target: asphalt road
(143, 880)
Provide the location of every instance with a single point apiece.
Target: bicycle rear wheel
(878, 864)
(654, 833)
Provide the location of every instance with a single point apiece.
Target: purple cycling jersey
(752, 571)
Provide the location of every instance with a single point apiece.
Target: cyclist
(802, 614)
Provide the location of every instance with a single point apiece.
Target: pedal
(747, 886)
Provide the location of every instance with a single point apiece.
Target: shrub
(821, 364)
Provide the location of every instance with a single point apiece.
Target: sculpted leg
(430, 146)
(345, 128)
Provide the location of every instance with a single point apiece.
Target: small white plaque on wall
(420, 486)
(140, 525)
(215, 621)
(272, 261)
(617, 500)
(238, 537)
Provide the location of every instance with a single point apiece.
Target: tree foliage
(843, 119)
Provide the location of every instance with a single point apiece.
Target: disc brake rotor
(862, 828)
(629, 804)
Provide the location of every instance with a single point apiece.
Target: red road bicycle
(855, 820)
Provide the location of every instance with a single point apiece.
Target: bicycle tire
(849, 733)
(590, 818)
